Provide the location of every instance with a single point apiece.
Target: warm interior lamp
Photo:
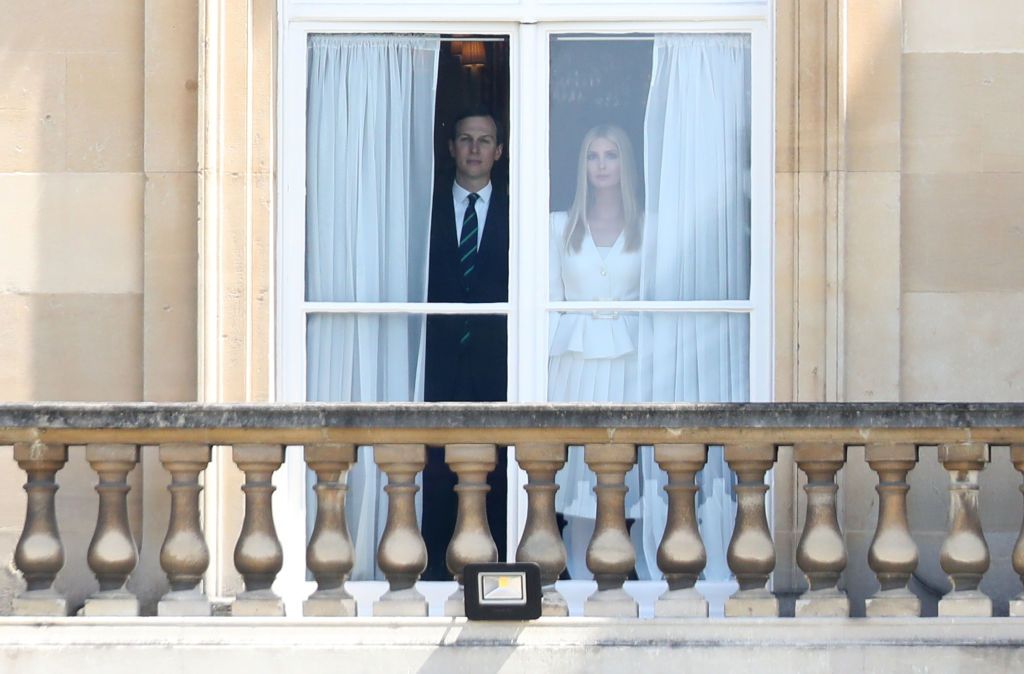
(473, 54)
(456, 47)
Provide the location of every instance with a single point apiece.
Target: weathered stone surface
(257, 453)
(345, 453)
(541, 452)
(329, 607)
(258, 607)
(836, 606)
(399, 453)
(470, 453)
(668, 417)
(31, 646)
(40, 451)
(681, 604)
(196, 605)
(976, 605)
(455, 606)
(612, 607)
(804, 452)
(122, 606)
(553, 604)
(961, 452)
(50, 604)
(906, 451)
(400, 608)
(903, 606)
(752, 607)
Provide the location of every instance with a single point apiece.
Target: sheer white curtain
(696, 247)
(369, 177)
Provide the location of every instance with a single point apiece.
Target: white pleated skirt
(573, 378)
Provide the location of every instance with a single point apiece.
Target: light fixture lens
(502, 588)
(496, 591)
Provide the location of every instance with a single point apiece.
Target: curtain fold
(369, 178)
(696, 247)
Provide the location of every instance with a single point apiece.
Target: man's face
(475, 149)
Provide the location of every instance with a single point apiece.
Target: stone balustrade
(819, 437)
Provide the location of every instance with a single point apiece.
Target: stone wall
(962, 232)
(933, 231)
(98, 265)
(962, 200)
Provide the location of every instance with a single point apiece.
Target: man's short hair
(476, 111)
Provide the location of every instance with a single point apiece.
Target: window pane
(382, 154)
(387, 358)
(608, 356)
(369, 164)
(612, 356)
(650, 167)
(364, 357)
(406, 201)
(406, 358)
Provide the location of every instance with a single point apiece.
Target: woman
(595, 255)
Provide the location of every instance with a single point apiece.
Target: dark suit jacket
(478, 370)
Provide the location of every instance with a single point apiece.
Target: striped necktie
(467, 257)
(468, 242)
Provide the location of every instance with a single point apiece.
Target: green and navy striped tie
(467, 252)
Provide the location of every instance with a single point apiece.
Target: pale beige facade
(137, 244)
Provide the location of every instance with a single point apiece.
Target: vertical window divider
(524, 204)
(530, 212)
(762, 214)
(290, 364)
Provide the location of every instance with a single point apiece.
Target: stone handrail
(751, 434)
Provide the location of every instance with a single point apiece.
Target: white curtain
(696, 247)
(369, 178)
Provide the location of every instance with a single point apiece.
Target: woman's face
(603, 166)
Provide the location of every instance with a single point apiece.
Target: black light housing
(502, 591)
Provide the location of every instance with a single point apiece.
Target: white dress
(593, 358)
(593, 355)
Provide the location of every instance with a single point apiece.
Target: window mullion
(530, 197)
(404, 308)
(724, 306)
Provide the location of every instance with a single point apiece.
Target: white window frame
(529, 24)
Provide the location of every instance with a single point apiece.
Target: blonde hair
(631, 209)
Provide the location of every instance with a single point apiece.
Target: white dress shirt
(460, 197)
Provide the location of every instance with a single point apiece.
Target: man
(466, 356)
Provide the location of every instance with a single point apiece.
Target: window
(635, 159)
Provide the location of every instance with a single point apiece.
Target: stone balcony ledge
(158, 645)
(853, 423)
(967, 437)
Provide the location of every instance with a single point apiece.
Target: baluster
(542, 542)
(610, 555)
(751, 553)
(329, 555)
(893, 552)
(1017, 603)
(681, 555)
(258, 553)
(184, 555)
(39, 554)
(402, 554)
(821, 552)
(964, 555)
(471, 541)
(112, 554)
